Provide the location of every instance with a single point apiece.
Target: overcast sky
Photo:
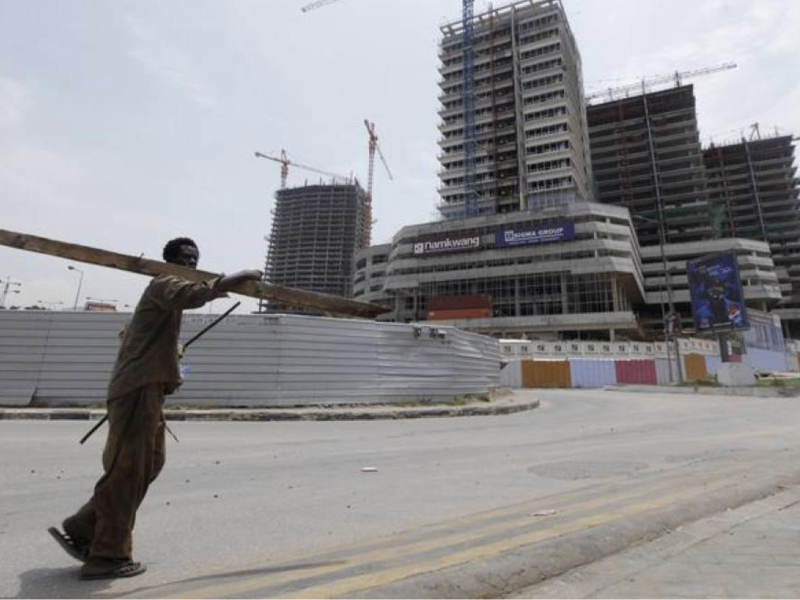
(126, 123)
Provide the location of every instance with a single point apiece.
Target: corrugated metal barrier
(667, 371)
(251, 360)
(695, 367)
(511, 375)
(636, 372)
(546, 374)
(592, 372)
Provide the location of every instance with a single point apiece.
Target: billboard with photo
(716, 293)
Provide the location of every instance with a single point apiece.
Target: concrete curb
(277, 414)
(507, 573)
(709, 391)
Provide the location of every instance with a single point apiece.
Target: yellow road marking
(401, 549)
(347, 587)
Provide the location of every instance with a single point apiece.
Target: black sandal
(77, 548)
(111, 568)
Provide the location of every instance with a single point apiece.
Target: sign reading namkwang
(543, 234)
(447, 244)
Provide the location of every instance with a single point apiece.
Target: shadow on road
(59, 583)
(182, 584)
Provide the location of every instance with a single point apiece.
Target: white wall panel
(592, 372)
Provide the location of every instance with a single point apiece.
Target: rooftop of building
(548, 213)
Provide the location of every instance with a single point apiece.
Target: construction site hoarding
(546, 233)
(716, 293)
(695, 367)
(641, 372)
(592, 372)
(65, 358)
(546, 374)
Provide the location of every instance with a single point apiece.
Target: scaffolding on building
(316, 230)
(755, 181)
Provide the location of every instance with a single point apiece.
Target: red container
(453, 315)
(437, 303)
(641, 372)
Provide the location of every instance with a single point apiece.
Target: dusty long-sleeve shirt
(149, 350)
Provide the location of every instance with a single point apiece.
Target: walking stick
(191, 341)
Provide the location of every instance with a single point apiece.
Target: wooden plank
(328, 303)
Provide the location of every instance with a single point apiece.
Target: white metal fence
(65, 358)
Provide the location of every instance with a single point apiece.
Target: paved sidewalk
(749, 552)
(750, 392)
(502, 402)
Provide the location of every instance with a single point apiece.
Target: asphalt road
(282, 508)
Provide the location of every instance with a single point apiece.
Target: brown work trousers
(133, 457)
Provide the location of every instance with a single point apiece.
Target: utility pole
(671, 315)
(80, 284)
(7, 285)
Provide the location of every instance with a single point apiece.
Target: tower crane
(317, 4)
(373, 149)
(285, 162)
(645, 83)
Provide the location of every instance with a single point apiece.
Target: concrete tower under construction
(753, 190)
(316, 230)
(531, 143)
(686, 202)
(646, 156)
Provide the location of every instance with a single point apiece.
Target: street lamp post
(7, 285)
(80, 283)
(670, 303)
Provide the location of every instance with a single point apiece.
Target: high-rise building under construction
(686, 201)
(534, 260)
(316, 230)
(647, 157)
(531, 143)
(753, 191)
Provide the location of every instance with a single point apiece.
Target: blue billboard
(540, 234)
(716, 292)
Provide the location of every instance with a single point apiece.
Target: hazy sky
(126, 123)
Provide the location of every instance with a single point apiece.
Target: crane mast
(374, 148)
(468, 90)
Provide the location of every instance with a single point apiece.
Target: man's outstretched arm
(228, 282)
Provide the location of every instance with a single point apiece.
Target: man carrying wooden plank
(100, 533)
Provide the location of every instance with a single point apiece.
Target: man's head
(182, 251)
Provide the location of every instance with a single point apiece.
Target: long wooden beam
(327, 303)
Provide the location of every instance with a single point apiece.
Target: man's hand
(231, 281)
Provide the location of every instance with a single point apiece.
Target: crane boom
(650, 82)
(285, 163)
(318, 4)
(383, 160)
